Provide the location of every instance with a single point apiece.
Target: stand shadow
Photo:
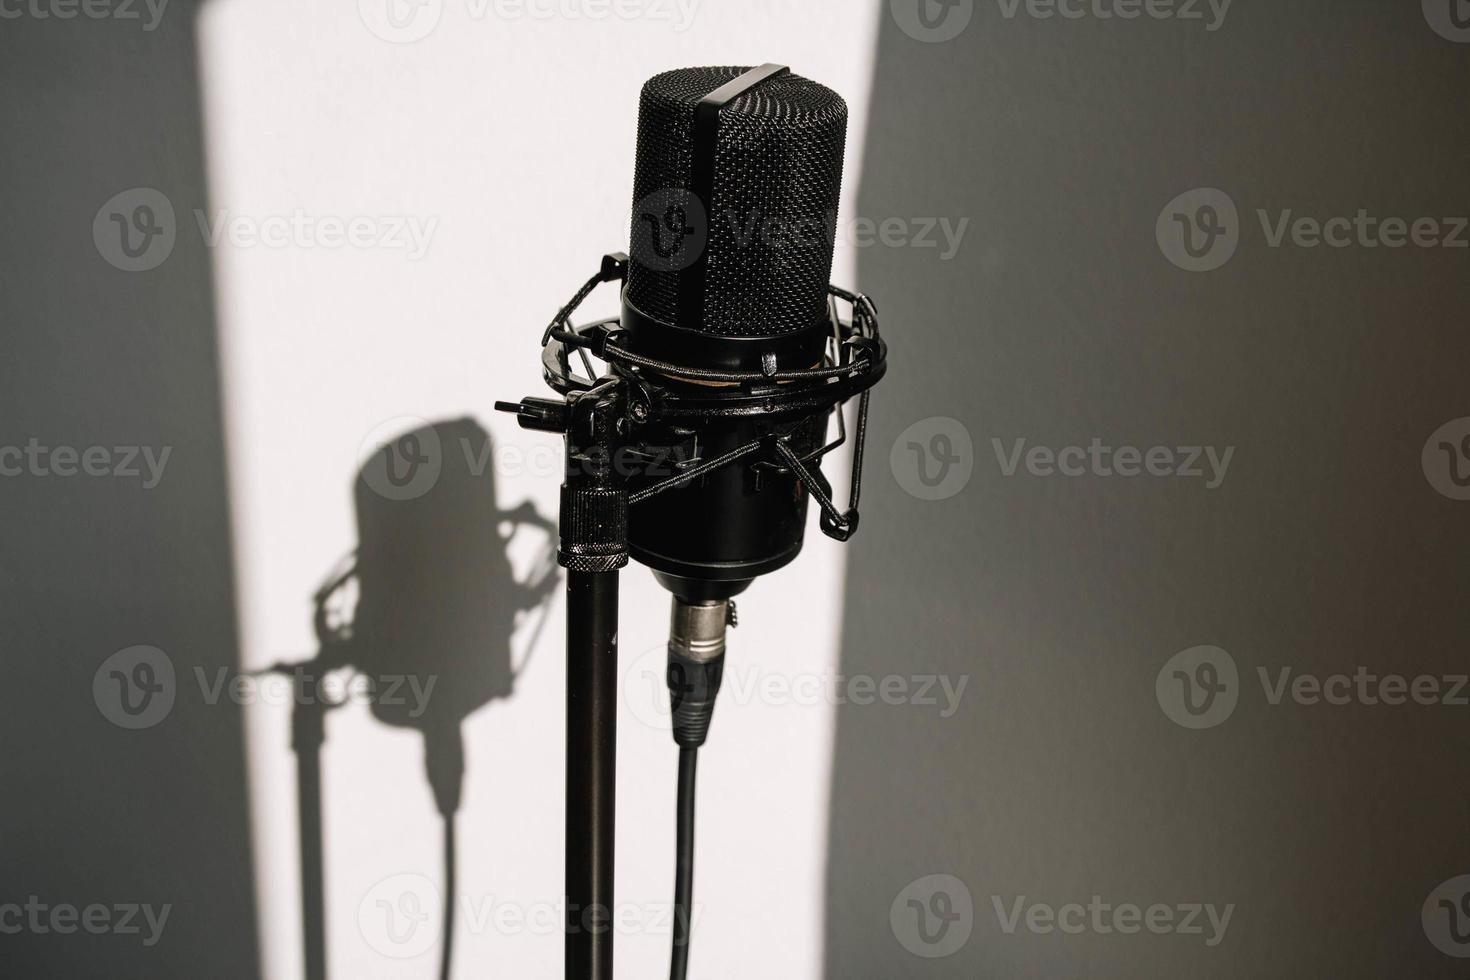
(436, 605)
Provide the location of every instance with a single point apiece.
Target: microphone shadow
(424, 611)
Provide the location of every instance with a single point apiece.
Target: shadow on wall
(126, 761)
(125, 836)
(426, 605)
(1317, 545)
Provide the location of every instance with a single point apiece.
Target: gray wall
(94, 356)
(1325, 547)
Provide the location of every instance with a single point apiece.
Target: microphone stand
(593, 547)
(592, 730)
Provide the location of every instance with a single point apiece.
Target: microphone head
(745, 251)
(735, 207)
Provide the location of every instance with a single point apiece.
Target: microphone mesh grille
(768, 230)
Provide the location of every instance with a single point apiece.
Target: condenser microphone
(736, 184)
(698, 448)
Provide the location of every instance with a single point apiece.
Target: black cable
(684, 865)
(696, 668)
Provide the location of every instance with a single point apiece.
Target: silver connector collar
(697, 630)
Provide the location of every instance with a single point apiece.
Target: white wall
(515, 136)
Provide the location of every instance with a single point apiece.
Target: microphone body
(735, 200)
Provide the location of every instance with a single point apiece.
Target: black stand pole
(593, 529)
(592, 728)
(594, 545)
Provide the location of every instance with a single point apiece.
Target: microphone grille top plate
(767, 233)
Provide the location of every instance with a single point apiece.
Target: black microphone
(735, 201)
(697, 450)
